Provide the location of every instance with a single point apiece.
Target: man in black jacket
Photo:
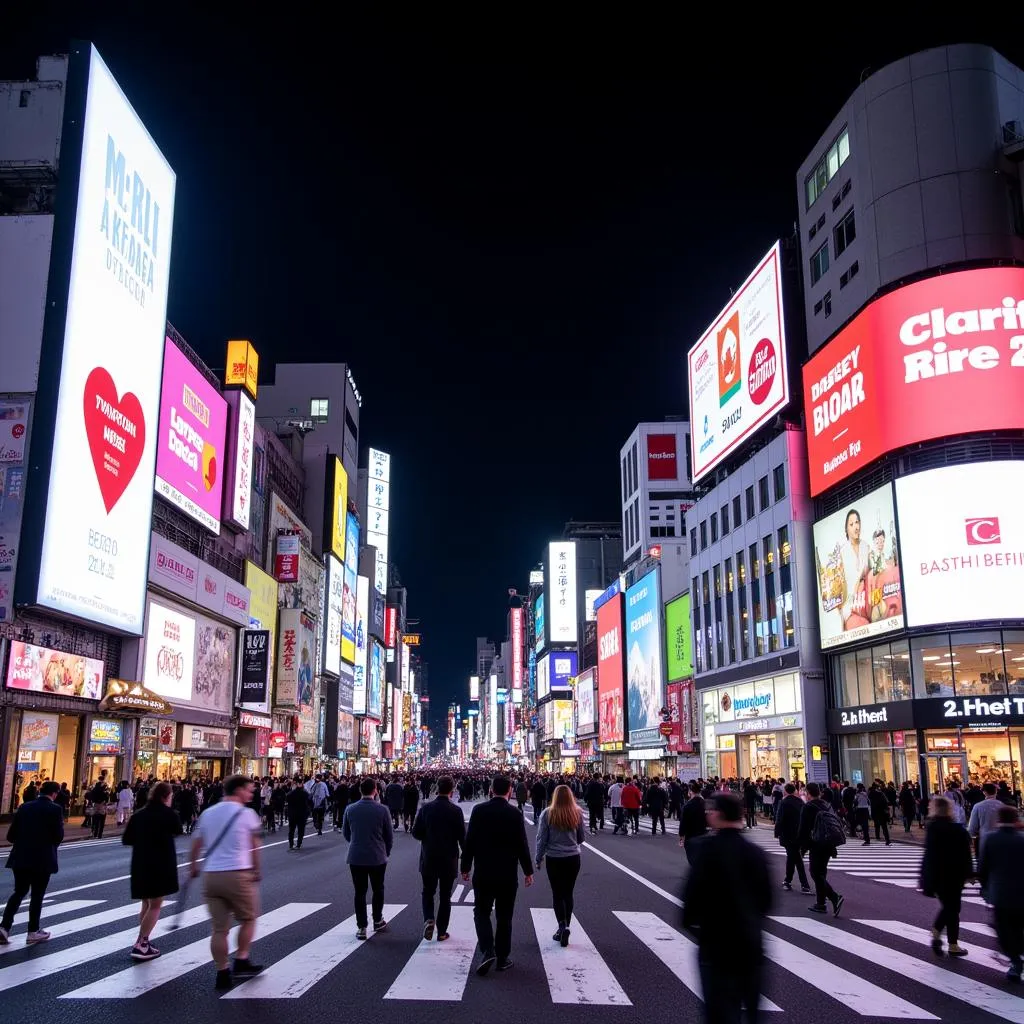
(539, 797)
(595, 795)
(657, 798)
(693, 821)
(36, 832)
(819, 854)
(299, 807)
(787, 831)
(725, 902)
(1003, 885)
(441, 829)
(495, 844)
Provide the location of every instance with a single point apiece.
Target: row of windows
(630, 477)
(736, 618)
(631, 525)
(827, 168)
(720, 520)
(842, 236)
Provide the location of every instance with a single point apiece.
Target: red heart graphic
(116, 429)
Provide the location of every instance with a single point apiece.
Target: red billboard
(679, 703)
(937, 358)
(610, 678)
(662, 463)
(517, 648)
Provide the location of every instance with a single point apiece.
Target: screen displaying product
(856, 552)
(585, 721)
(962, 541)
(644, 667)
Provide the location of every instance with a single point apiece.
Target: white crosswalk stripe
(82, 924)
(457, 893)
(301, 969)
(923, 937)
(439, 971)
(56, 909)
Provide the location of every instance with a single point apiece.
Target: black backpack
(827, 829)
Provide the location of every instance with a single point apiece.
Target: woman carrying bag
(150, 833)
(560, 839)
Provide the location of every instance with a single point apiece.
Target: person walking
(945, 867)
(787, 831)
(98, 798)
(394, 797)
(150, 833)
(1002, 885)
(984, 815)
(615, 802)
(820, 840)
(657, 799)
(862, 812)
(879, 804)
(632, 799)
(299, 805)
(595, 795)
(560, 840)
(522, 795)
(35, 833)
(319, 795)
(441, 829)
(410, 803)
(125, 802)
(495, 844)
(230, 832)
(908, 806)
(726, 899)
(368, 828)
(538, 797)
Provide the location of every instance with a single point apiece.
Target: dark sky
(511, 231)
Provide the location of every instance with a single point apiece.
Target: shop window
(710, 708)
(891, 664)
(932, 671)
(872, 755)
(978, 668)
(1013, 654)
(787, 694)
(865, 676)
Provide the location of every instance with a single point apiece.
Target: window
(625, 478)
(819, 263)
(724, 516)
(698, 636)
(762, 489)
(632, 466)
(827, 167)
(708, 629)
(23, 98)
(718, 617)
(785, 604)
(978, 669)
(737, 512)
(714, 527)
(730, 614)
(741, 575)
(703, 534)
(750, 503)
(318, 409)
(845, 232)
(771, 624)
(932, 671)
(779, 482)
(817, 307)
(827, 299)
(693, 541)
(849, 274)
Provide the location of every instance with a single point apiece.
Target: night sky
(511, 231)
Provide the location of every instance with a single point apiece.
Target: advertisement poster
(585, 721)
(646, 684)
(662, 463)
(679, 708)
(937, 358)
(540, 639)
(337, 507)
(281, 519)
(105, 736)
(856, 552)
(563, 669)
(99, 499)
(346, 679)
(255, 671)
(562, 727)
(516, 615)
(362, 640)
(243, 366)
(678, 638)
(561, 604)
(263, 605)
(39, 732)
(610, 668)
(738, 377)
(346, 734)
(190, 442)
(286, 558)
(375, 680)
(44, 671)
(240, 448)
(378, 501)
(348, 616)
(295, 659)
(170, 653)
(215, 665)
(352, 543)
(962, 542)
(335, 602)
(14, 425)
(543, 677)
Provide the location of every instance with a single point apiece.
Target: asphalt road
(626, 947)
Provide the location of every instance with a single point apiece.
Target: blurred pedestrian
(945, 867)
(1002, 884)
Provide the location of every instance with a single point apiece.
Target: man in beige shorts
(230, 831)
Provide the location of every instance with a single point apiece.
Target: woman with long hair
(150, 833)
(560, 839)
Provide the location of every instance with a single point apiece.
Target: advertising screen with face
(856, 552)
(962, 542)
(99, 501)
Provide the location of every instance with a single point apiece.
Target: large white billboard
(335, 596)
(378, 504)
(962, 542)
(856, 552)
(361, 672)
(737, 371)
(95, 545)
(560, 606)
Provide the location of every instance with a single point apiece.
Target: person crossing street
(441, 830)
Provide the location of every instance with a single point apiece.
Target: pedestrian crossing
(613, 959)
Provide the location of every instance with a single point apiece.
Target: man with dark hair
(36, 832)
(693, 821)
(369, 831)
(1002, 883)
(726, 899)
(495, 845)
(441, 830)
(820, 852)
(787, 831)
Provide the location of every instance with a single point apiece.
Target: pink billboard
(190, 444)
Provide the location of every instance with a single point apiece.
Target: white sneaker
(39, 936)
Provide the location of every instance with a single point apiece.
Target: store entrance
(942, 769)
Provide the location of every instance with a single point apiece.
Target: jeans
(1010, 933)
(362, 878)
(751, 816)
(657, 816)
(881, 824)
(24, 880)
(596, 816)
(562, 874)
(634, 818)
(537, 808)
(98, 821)
(731, 992)
(618, 819)
(296, 830)
(795, 860)
(503, 900)
(318, 818)
(432, 879)
(817, 861)
(948, 916)
(908, 820)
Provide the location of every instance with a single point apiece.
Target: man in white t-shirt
(615, 799)
(229, 831)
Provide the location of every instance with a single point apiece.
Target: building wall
(24, 270)
(31, 114)
(926, 180)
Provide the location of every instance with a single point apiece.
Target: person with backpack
(821, 835)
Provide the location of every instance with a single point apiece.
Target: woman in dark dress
(150, 833)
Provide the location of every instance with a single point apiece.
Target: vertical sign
(14, 420)
(241, 438)
(255, 668)
(560, 606)
(378, 507)
(517, 650)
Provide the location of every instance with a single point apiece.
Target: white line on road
(457, 893)
(470, 894)
(632, 874)
(83, 924)
(301, 969)
(439, 970)
(59, 908)
(919, 935)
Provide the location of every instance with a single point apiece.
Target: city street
(626, 946)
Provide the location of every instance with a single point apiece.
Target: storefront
(252, 745)
(754, 729)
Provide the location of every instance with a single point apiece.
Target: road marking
(632, 874)
(82, 924)
(439, 970)
(301, 969)
(674, 950)
(921, 936)
(955, 986)
(457, 893)
(470, 894)
(577, 974)
(141, 978)
(59, 908)
(74, 956)
(979, 929)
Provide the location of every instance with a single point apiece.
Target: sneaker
(5, 936)
(788, 886)
(361, 933)
(428, 930)
(144, 951)
(557, 937)
(223, 982)
(39, 936)
(955, 949)
(486, 964)
(246, 968)
(1014, 973)
(817, 908)
(837, 904)
(505, 965)
(564, 940)
(380, 926)
(443, 936)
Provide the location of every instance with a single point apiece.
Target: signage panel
(243, 366)
(46, 671)
(255, 670)
(644, 666)
(610, 672)
(561, 604)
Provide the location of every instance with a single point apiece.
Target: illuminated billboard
(610, 672)
(560, 606)
(644, 666)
